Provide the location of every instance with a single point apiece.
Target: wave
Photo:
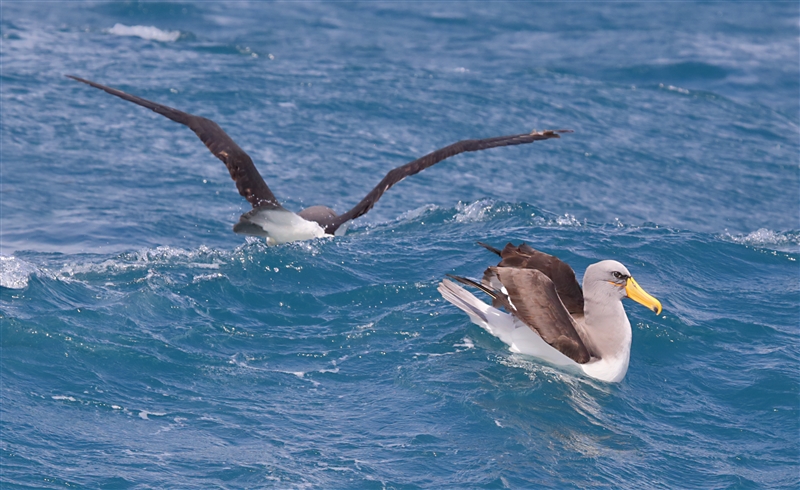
(150, 33)
(660, 71)
(202, 263)
(177, 265)
(482, 210)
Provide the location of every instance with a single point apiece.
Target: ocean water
(145, 345)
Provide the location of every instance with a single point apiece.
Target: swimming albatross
(548, 316)
(271, 220)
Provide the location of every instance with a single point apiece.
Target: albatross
(548, 316)
(269, 218)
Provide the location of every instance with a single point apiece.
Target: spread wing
(562, 275)
(532, 297)
(248, 181)
(396, 175)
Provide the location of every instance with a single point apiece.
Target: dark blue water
(144, 345)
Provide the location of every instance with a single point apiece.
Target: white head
(611, 280)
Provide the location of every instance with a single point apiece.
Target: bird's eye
(618, 275)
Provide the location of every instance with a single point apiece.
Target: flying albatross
(271, 220)
(548, 316)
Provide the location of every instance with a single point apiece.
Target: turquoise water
(144, 345)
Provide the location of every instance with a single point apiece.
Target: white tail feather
(495, 322)
(461, 298)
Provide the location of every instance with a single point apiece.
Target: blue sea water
(144, 345)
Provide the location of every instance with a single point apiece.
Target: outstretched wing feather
(397, 174)
(248, 181)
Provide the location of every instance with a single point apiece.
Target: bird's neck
(610, 329)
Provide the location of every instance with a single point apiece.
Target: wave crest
(763, 237)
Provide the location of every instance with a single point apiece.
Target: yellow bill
(636, 293)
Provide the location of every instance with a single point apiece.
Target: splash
(14, 273)
(568, 220)
(476, 211)
(145, 32)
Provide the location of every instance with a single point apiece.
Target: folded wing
(558, 271)
(532, 297)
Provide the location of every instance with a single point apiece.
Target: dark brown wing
(533, 299)
(396, 175)
(248, 181)
(562, 275)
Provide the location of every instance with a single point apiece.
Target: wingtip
(552, 133)
(490, 248)
(475, 284)
(462, 280)
(78, 79)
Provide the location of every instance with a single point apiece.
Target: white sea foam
(302, 375)
(144, 414)
(207, 277)
(145, 32)
(768, 239)
(466, 343)
(200, 258)
(162, 253)
(568, 220)
(64, 398)
(476, 211)
(14, 273)
(673, 88)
